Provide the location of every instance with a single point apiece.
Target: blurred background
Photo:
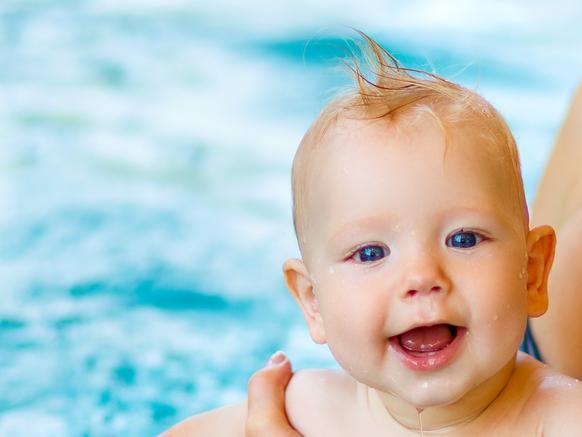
(145, 152)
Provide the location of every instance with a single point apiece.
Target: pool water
(144, 183)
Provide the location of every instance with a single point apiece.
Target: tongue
(426, 338)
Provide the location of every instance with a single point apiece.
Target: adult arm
(559, 204)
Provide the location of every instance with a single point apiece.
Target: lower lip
(429, 360)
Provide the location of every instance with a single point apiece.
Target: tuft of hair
(392, 92)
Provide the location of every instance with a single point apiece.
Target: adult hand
(266, 404)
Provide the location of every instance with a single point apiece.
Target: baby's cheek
(352, 323)
(502, 292)
(355, 330)
(501, 325)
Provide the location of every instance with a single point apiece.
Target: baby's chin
(430, 392)
(448, 388)
(422, 393)
(435, 393)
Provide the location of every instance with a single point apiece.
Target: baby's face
(417, 259)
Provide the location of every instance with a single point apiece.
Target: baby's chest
(350, 424)
(347, 422)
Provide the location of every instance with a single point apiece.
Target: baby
(418, 270)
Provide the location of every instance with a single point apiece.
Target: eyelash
(356, 253)
(478, 239)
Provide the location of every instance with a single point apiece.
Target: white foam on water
(38, 423)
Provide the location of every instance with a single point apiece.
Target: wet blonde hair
(394, 92)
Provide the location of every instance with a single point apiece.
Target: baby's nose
(414, 291)
(424, 276)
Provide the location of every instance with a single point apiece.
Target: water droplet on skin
(559, 381)
(496, 317)
(424, 384)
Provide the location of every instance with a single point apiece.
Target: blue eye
(464, 239)
(370, 253)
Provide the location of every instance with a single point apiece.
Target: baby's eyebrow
(357, 227)
(470, 210)
(490, 214)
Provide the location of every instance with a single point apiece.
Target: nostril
(415, 292)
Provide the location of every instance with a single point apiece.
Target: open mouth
(428, 347)
(427, 338)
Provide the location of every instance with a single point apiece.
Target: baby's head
(419, 269)
(401, 101)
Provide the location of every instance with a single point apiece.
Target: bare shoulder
(226, 421)
(315, 399)
(555, 400)
(563, 402)
(313, 381)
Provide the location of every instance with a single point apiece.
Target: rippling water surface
(145, 149)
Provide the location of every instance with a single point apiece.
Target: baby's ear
(541, 244)
(300, 286)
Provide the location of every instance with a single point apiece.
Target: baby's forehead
(347, 136)
(353, 134)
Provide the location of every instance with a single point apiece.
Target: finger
(266, 404)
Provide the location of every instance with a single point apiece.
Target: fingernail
(276, 359)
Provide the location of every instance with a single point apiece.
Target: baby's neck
(447, 417)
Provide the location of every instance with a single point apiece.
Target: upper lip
(426, 324)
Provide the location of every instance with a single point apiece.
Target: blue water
(145, 149)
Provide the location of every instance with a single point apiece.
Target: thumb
(266, 404)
